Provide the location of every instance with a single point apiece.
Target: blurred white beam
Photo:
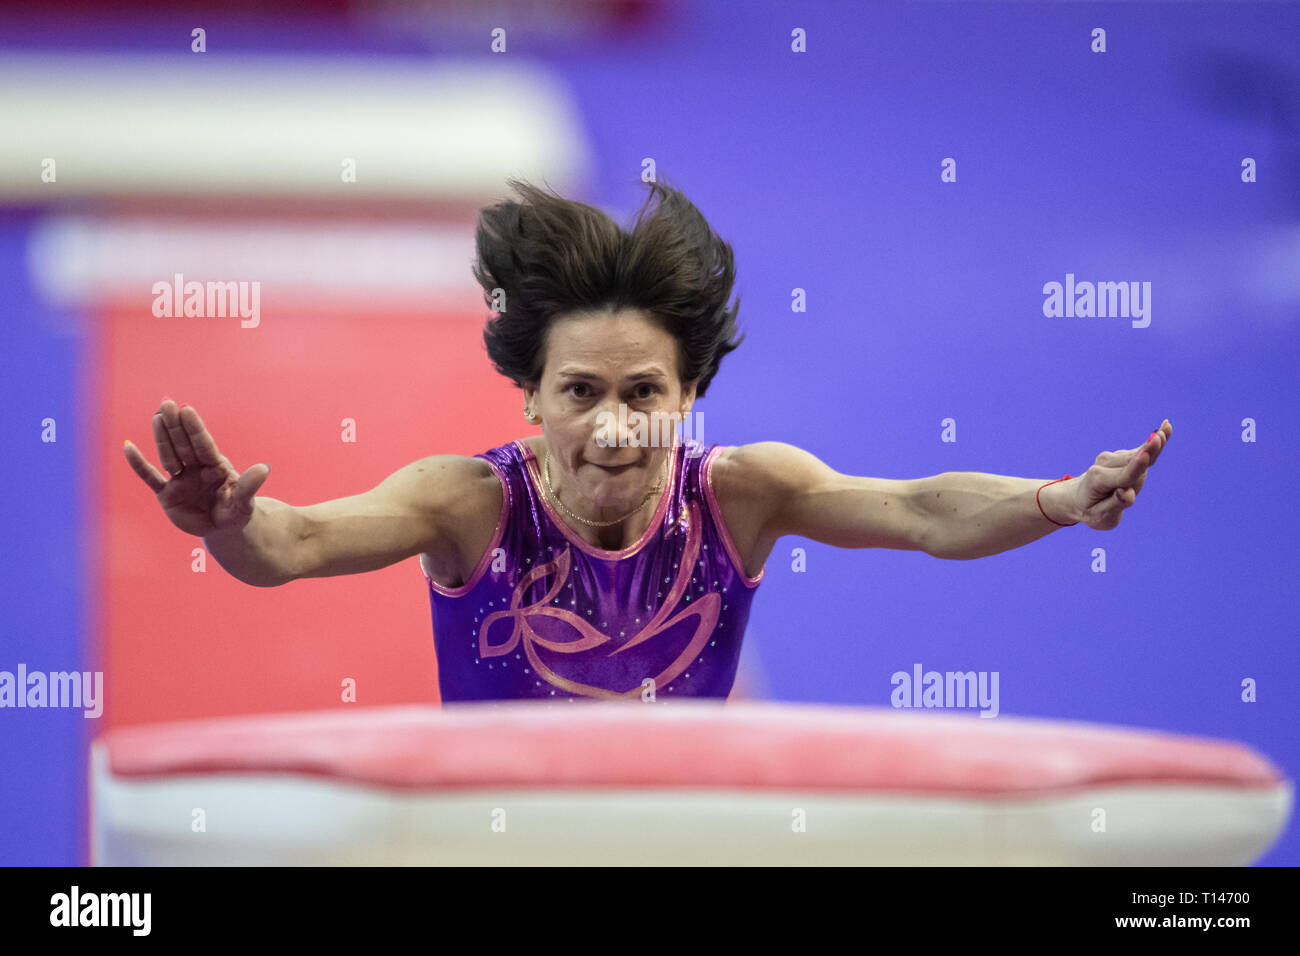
(209, 125)
(76, 260)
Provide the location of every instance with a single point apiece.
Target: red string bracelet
(1040, 504)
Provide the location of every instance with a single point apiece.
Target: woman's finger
(1154, 445)
(205, 447)
(247, 485)
(151, 476)
(1122, 474)
(1115, 506)
(170, 412)
(166, 452)
(1158, 439)
(1118, 458)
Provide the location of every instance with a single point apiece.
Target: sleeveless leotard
(547, 615)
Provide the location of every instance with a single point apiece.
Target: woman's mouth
(615, 469)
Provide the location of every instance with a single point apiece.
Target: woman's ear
(530, 402)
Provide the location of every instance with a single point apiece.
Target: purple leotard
(547, 615)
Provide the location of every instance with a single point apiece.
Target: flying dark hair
(552, 256)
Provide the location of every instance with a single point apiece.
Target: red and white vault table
(679, 783)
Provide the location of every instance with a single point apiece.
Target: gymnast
(592, 561)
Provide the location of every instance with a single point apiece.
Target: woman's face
(593, 363)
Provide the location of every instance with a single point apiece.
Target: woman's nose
(614, 426)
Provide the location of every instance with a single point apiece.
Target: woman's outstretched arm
(265, 542)
(974, 515)
(954, 515)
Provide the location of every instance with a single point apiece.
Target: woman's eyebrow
(584, 374)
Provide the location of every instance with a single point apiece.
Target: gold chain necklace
(546, 474)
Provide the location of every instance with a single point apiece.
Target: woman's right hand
(204, 493)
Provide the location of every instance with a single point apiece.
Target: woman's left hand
(1114, 480)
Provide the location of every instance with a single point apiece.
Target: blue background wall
(44, 603)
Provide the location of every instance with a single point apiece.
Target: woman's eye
(583, 390)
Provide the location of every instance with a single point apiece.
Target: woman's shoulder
(751, 471)
(509, 456)
(442, 485)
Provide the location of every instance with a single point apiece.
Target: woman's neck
(615, 537)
